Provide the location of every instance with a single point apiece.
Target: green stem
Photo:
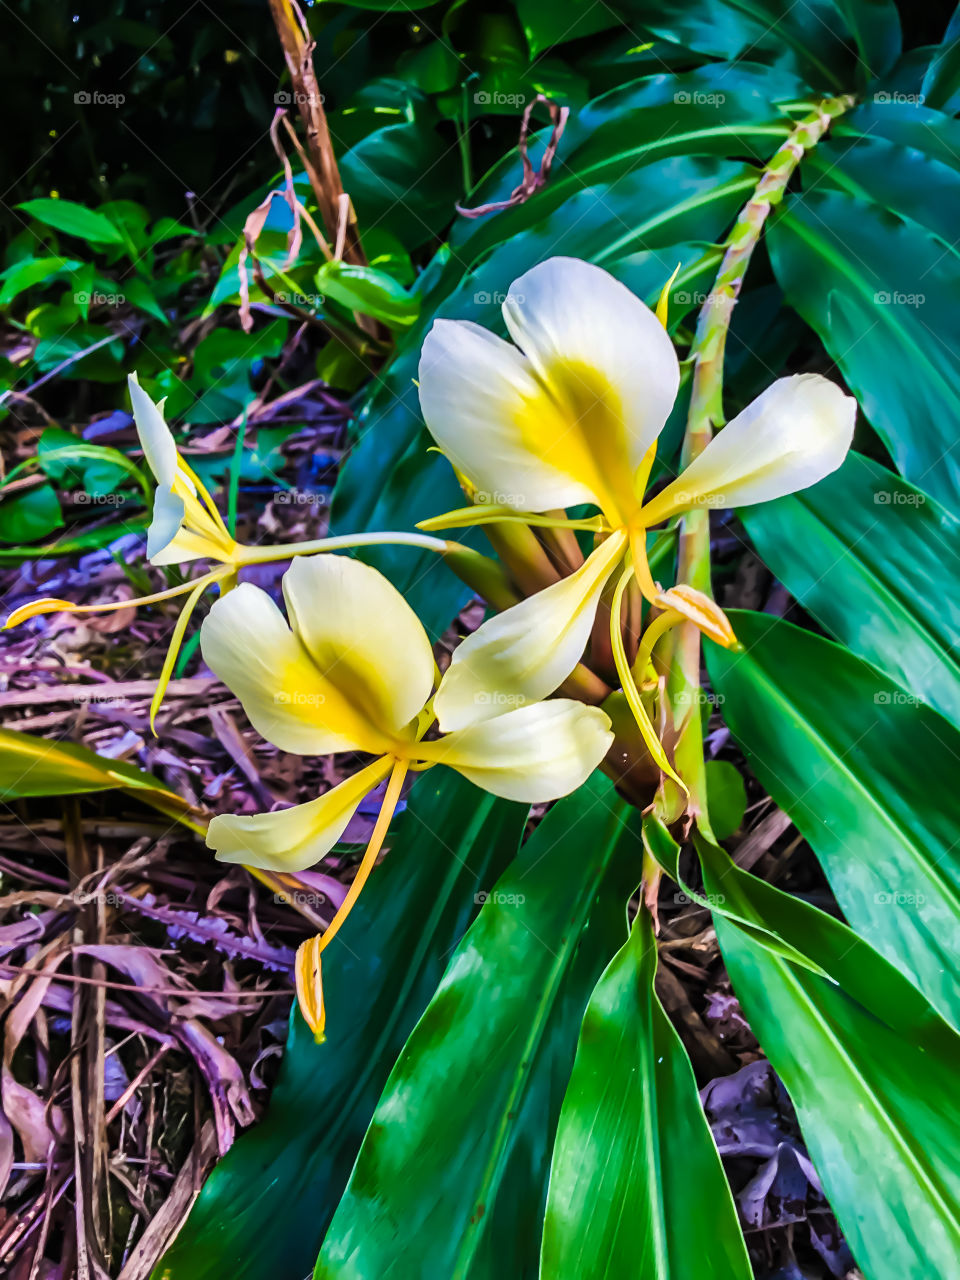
(706, 413)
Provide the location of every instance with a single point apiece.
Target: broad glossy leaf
(812, 39)
(868, 774)
(636, 1184)
(870, 1067)
(881, 295)
(73, 219)
(877, 563)
(265, 1207)
(451, 1178)
(941, 84)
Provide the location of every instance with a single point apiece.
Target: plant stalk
(706, 413)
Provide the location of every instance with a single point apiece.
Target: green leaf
(868, 774)
(265, 1207)
(100, 467)
(876, 562)
(29, 515)
(636, 1184)
(870, 1067)
(726, 797)
(459, 1146)
(368, 291)
(885, 312)
(31, 766)
(27, 272)
(74, 219)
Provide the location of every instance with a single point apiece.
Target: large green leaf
(636, 1183)
(451, 1177)
(813, 38)
(265, 1207)
(870, 1067)
(876, 562)
(881, 294)
(73, 219)
(869, 777)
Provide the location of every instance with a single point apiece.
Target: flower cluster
(566, 415)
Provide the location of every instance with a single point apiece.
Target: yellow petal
(605, 360)
(497, 424)
(533, 754)
(523, 654)
(698, 608)
(245, 640)
(309, 982)
(795, 433)
(297, 838)
(362, 635)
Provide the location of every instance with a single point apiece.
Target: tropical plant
(500, 1091)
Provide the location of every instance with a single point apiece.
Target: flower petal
(795, 433)
(604, 355)
(532, 754)
(362, 635)
(245, 640)
(297, 838)
(495, 422)
(160, 451)
(526, 652)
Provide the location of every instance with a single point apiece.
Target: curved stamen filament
(284, 550)
(467, 517)
(629, 686)
(308, 975)
(641, 566)
(50, 605)
(654, 632)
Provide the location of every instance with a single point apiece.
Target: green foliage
(501, 1092)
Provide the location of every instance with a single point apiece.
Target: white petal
(494, 421)
(297, 838)
(573, 321)
(523, 654)
(362, 635)
(795, 433)
(245, 640)
(533, 754)
(160, 451)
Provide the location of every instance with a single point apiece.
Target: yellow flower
(186, 525)
(569, 413)
(353, 670)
